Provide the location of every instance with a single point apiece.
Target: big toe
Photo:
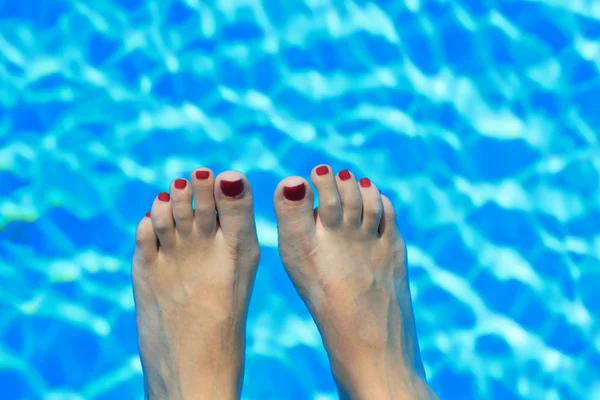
(293, 202)
(235, 204)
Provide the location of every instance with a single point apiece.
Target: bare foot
(348, 262)
(193, 275)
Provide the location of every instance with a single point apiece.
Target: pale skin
(193, 275)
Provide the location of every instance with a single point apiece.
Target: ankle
(195, 383)
(370, 380)
(205, 388)
(413, 389)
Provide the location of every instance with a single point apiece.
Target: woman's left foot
(193, 273)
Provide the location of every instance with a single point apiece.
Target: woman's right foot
(348, 262)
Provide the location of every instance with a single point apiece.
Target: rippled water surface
(479, 119)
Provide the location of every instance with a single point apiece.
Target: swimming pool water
(479, 119)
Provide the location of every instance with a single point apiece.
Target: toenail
(294, 193)
(180, 184)
(322, 170)
(232, 188)
(202, 175)
(164, 196)
(344, 175)
(365, 182)
(148, 214)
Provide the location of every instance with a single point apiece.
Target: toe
(388, 226)
(350, 197)
(293, 202)
(235, 204)
(203, 183)
(330, 207)
(181, 200)
(162, 221)
(372, 206)
(146, 242)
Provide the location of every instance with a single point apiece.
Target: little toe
(372, 206)
(235, 204)
(203, 183)
(388, 226)
(181, 199)
(146, 242)
(330, 207)
(162, 221)
(351, 198)
(293, 201)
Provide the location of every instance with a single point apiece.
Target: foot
(347, 260)
(193, 273)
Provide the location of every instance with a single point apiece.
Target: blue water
(479, 119)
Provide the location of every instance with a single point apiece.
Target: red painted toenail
(232, 188)
(365, 182)
(344, 175)
(148, 214)
(164, 196)
(322, 170)
(180, 184)
(202, 175)
(295, 193)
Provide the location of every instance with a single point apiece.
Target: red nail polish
(148, 214)
(365, 182)
(180, 184)
(202, 175)
(164, 196)
(322, 170)
(344, 175)
(232, 188)
(295, 193)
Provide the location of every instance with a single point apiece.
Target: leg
(348, 262)
(192, 276)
